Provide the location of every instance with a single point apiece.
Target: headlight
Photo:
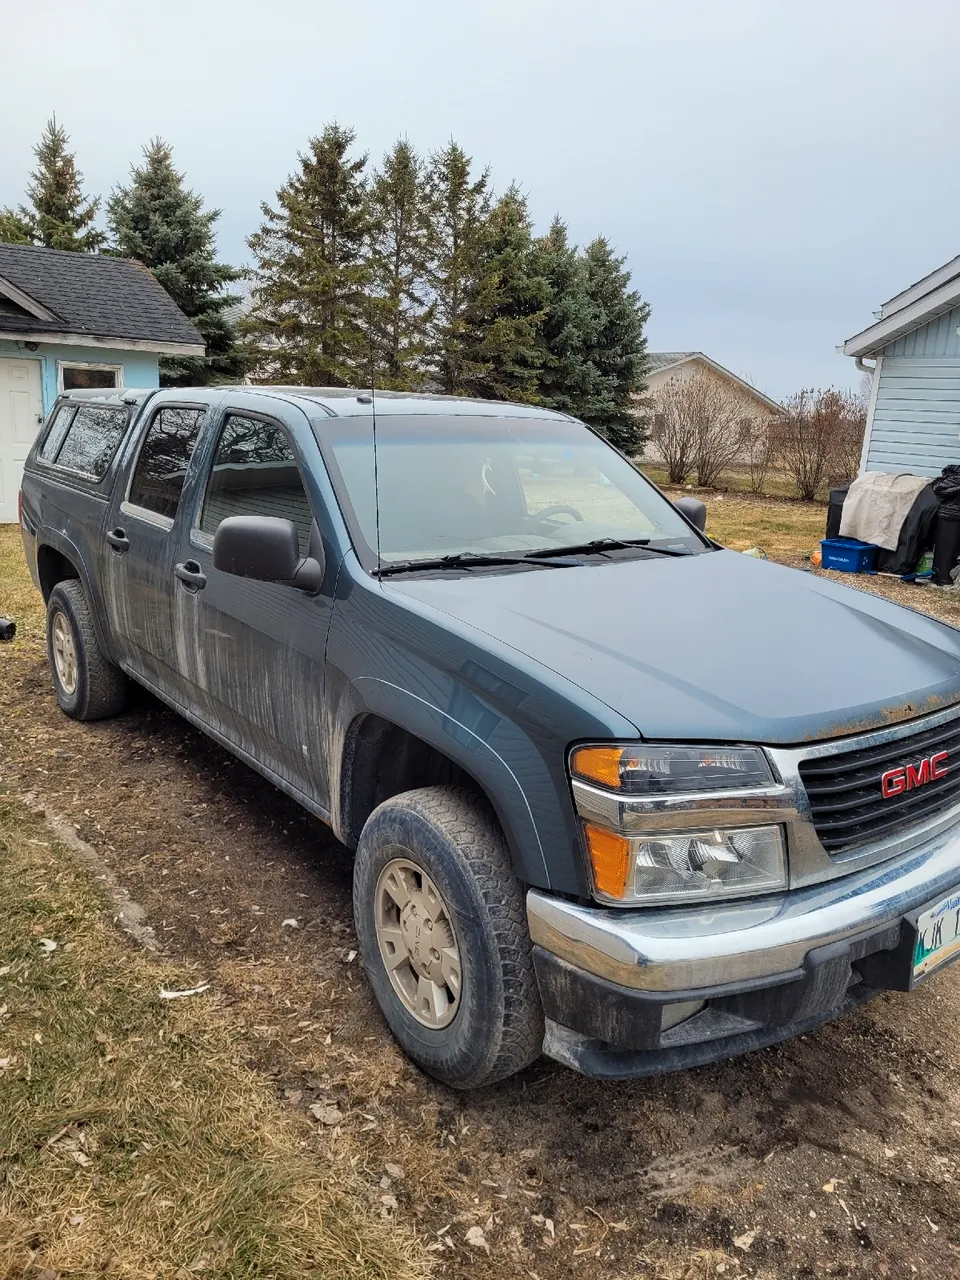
(663, 770)
(669, 867)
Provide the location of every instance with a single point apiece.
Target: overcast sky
(772, 170)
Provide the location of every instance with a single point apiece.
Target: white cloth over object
(877, 505)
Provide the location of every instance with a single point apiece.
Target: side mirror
(694, 510)
(266, 548)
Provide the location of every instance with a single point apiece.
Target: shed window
(162, 466)
(90, 441)
(82, 377)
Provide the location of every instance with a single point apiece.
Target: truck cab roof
(337, 402)
(343, 402)
(110, 395)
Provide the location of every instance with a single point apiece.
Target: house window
(82, 376)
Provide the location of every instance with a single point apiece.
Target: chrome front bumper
(684, 948)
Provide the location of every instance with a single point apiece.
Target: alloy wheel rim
(418, 943)
(64, 653)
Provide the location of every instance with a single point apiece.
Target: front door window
(255, 473)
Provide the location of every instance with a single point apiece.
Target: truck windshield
(449, 486)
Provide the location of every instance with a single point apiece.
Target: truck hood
(715, 647)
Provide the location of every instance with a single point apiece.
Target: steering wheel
(560, 509)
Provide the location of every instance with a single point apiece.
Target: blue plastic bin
(849, 555)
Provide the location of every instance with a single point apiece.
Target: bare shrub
(848, 440)
(722, 425)
(818, 438)
(674, 430)
(759, 452)
(699, 426)
(803, 450)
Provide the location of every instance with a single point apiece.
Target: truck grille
(847, 804)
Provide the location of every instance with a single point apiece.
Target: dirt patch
(135, 1142)
(831, 1155)
(715, 1171)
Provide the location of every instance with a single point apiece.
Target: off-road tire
(452, 834)
(101, 687)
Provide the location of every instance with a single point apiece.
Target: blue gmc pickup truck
(617, 795)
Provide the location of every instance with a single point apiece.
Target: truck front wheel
(443, 930)
(87, 685)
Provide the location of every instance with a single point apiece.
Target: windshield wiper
(600, 545)
(468, 559)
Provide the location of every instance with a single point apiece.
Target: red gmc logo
(905, 777)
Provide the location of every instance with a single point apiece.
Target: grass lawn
(135, 1141)
(137, 1136)
(784, 530)
(19, 598)
(777, 484)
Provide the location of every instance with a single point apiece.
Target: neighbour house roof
(53, 295)
(239, 310)
(657, 360)
(661, 361)
(914, 306)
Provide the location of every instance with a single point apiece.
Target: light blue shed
(913, 418)
(72, 320)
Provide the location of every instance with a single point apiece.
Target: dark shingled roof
(657, 360)
(89, 294)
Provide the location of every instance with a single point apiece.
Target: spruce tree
(616, 347)
(59, 216)
(308, 323)
(157, 221)
(459, 207)
(568, 378)
(400, 311)
(13, 229)
(505, 307)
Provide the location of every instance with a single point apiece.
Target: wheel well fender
(395, 741)
(53, 567)
(59, 560)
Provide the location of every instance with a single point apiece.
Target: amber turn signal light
(610, 859)
(598, 764)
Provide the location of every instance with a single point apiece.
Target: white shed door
(21, 412)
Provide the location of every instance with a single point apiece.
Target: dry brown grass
(134, 1139)
(735, 480)
(784, 530)
(167, 1110)
(19, 598)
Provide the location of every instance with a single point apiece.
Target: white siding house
(913, 420)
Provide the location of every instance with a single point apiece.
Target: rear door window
(87, 442)
(164, 457)
(58, 429)
(255, 473)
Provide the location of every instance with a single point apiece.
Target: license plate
(938, 936)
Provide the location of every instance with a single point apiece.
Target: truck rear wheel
(86, 684)
(442, 926)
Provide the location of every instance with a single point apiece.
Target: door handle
(191, 575)
(118, 540)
